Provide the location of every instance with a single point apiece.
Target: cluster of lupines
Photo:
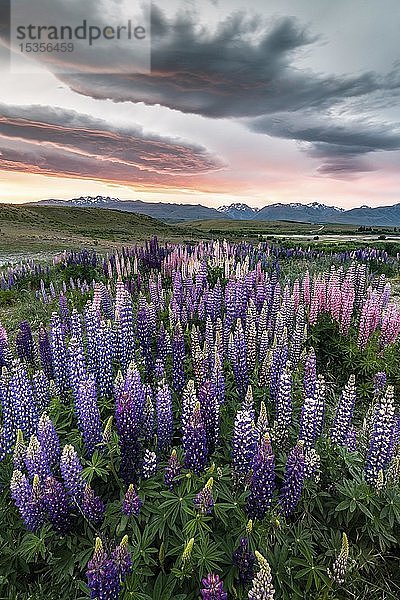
(107, 572)
(252, 325)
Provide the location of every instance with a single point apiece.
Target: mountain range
(313, 212)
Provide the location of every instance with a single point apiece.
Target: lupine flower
(88, 414)
(45, 352)
(213, 588)
(262, 421)
(164, 417)
(103, 575)
(244, 445)
(71, 471)
(148, 419)
(92, 506)
(36, 459)
(310, 374)
(20, 488)
(209, 406)
(29, 500)
(381, 443)
(128, 432)
(195, 442)
(187, 551)
(48, 439)
(293, 481)
(262, 481)
(344, 413)
(312, 461)
(244, 559)
(172, 471)
(204, 500)
(149, 467)
(308, 420)
(41, 391)
(284, 406)
(57, 505)
(262, 587)
(339, 567)
(131, 503)
(178, 359)
(19, 453)
(122, 558)
(25, 413)
(59, 356)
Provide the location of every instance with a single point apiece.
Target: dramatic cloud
(342, 141)
(52, 140)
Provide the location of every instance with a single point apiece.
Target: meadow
(205, 419)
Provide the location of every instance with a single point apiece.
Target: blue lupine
(243, 558)
(381, 443)
(45, 352)
(380, 380)
(204, 500)
(29, 500)
(172, 471)
(76, 366)
(105, 361)
(195, 442)
(57, 505)
(244, 445)
(9, 429)
(103, 575)
(59, 356)
(284, 407)
(262, 587)
(71, 471)
(293, 480)
(92, 506)
(122, 558)
(36, 459)
(178, 359)
(128, 429)
(164, 417)
(310, 374)
(131, 503)
(238, 357)
(262, 481)
(26, 415)
(48, 439)
(209, 406)
(126, 344)
(88, 414)
(344, 413)
(307, 431)
(41, 390)
(148, 418)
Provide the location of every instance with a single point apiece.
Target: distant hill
(313, 212)
(164, 211)
(56, 227)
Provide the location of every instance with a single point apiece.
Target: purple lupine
(19, 453)
(76, 366)
(104, 373)
(131, 503)
(217, 378)
(8, 430)
(128, 433)
(92, 506)
(213, 588)
(59, 356)
(88, 414)
(195, 442)
(25, 344)
(29, 500)
(244, 445)
(320, 390)
(103, 575)
(36, 459)
(41, 390)
(380, 380)
(45, 353)
(310, 374)
(308, 420)
(178, 359)
(243, 558)
(164, 417)
(57, 505)
(209, 406)
(262, 481)
(172, 471)
(5, 353)
(284, 407)
(382, 438)
(148, 419)
(126, 343)
(189, 400)
(23, 404)
(149, 466)
(238, 358)
(293, 480)
(344, 413)
(204, 500)
(71, 471)
(122, 558)
(48, 439)
(262, 421)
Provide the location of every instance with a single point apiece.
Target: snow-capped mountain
(313, 212)
(238, 211)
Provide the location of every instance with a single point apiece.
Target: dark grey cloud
(63, 142)
(341, 141)
(246, 67)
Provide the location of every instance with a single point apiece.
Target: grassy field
(46, 228)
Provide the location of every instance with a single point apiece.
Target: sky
(256, 102)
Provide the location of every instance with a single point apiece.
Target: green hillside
(42, 228)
